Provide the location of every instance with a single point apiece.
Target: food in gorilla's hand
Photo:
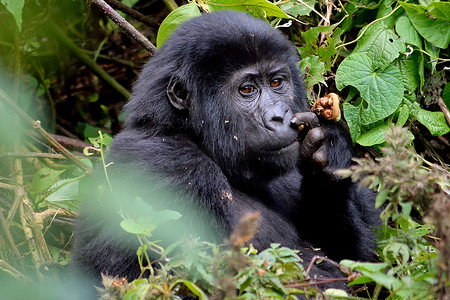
(328, 107)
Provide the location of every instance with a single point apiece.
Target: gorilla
(215, 117)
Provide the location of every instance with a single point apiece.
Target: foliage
(389, 60)
(411, 267)
(386, 67)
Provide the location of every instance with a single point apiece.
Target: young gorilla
(215, 114)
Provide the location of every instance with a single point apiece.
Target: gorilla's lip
(289, 148)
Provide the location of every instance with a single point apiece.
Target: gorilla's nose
(278, 117)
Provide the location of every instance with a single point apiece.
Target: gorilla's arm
(344, 211)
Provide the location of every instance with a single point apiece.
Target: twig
(8, 238)
(316, 281)
(132, 13)
(4, 266)
(37, 125)
(444, 109)
(34, 155)
(19, 193)
(316, 258)
(328, 15)
(361, 33)
(127, 27)
(89, 62)
(71, 143)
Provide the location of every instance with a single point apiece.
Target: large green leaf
(374, 136)
(381, 89)
(434, 121)
(15, 7)
(352, 116)
(269, 8)
(65, 194)
(406, 30)
(409, 67)
(297, 8)
(446, 95)
(381, 44)
(174, 19)
(43, 179)
(432, 22)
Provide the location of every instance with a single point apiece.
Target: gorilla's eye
(276, 83)
(247, 89)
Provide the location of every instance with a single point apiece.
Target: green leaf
(296, 9)
(432, 22)
(408, 67)
(446, 95)
(382, 89)
(381, 45)
(310, 36)
(43, 179)
(133, 227)
(374, 136)
(314, 70)
(381, 198)
(372, 267)
(403, 115)
(66, 194)
(270, 9)
(15, 7)
(129, 3)
(434, 52)
(161, 217)
(174, 19)
(434, 121)
(351, 114)
(335, 292)
(427, 2)
(193, 288)
(406, 30)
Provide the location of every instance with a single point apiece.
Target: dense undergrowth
(388, 60)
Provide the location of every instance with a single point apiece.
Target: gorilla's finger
(305, 119)
(320, 157)
(311, 142)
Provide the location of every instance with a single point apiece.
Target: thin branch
(70, 143)
(316, 258)
(444, 109)
(33, 155)
(132, 13)
(361, 33)
(89, 62)
(127, 27)
(37, 125)
(8, 237)
(5, 267)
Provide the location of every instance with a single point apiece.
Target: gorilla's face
(263, 94)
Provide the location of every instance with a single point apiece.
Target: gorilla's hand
(324, 145)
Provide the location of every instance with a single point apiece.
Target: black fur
(202, 154)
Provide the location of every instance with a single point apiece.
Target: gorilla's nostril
(279, 112)
(277, 119)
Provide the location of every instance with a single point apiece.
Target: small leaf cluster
(209, 271)
(411, 266)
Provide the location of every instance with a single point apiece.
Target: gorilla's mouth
(291, 147)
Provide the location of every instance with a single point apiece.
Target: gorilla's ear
(177, 93)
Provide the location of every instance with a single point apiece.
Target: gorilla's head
(231, 83)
